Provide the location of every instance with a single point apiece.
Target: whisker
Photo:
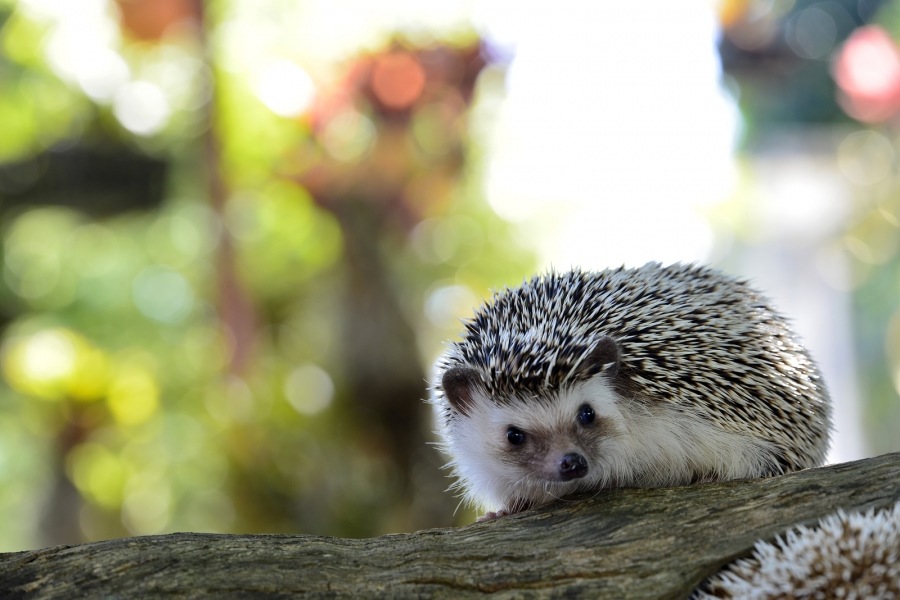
(460, 503)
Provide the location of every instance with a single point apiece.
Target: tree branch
(639, 543)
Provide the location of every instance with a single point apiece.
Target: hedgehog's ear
(604, 358)
(459, 384)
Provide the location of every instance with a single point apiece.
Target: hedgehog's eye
(586, 414)
(515, 436)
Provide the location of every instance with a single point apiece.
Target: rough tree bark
(627, 543)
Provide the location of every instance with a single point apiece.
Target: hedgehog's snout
(572, 466)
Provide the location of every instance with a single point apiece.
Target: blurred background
(236, 233)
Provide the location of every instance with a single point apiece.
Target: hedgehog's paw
(490, 516)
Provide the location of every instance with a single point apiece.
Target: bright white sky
(615, 133)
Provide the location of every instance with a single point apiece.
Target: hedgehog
(630, 377)
(845, 556)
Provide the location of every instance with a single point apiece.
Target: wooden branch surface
(627, 543)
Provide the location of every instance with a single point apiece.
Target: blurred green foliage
(124, 410)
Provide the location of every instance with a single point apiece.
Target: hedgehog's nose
(572, 466)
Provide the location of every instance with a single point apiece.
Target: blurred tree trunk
(59, 523)
(400, 175)
(635, 543)
(236, 311)
(385, 382)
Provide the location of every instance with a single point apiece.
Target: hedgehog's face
(557, 438)
(531, 449)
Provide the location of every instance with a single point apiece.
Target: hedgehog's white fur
(705, 382)
(632, 455)
(854, 556)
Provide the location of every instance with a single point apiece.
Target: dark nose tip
(572, 466)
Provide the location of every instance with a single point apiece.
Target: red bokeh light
(398, 79)
(149, 20)
(867, 71)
